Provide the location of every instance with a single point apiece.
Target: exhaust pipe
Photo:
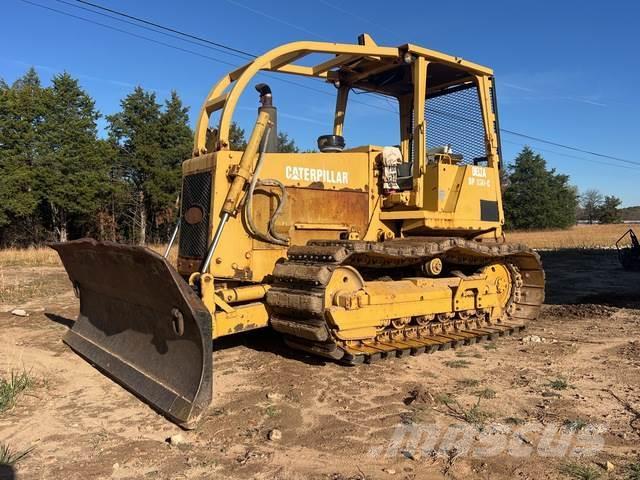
(266, 105)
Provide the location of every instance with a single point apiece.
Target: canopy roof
(365, 66)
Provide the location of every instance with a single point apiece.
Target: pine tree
(151, 145)
(176, 142)
(237, 140)
(286, 144)
(537, 197)
(71, 175)
(111, 218)
(609, 211)
(21, 115)
(135, 131)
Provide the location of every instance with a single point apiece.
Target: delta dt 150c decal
(479, 177)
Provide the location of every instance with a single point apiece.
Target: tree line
(59, 179)
(596, 207)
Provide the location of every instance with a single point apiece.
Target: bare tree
(591, 201)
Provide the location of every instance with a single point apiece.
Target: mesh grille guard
(194, 229)
(455, 118)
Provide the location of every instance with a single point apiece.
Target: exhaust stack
(266, 105)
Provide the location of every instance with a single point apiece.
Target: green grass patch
(632, 471)
(486, 393)
(457, 363)
(467, 353)
(272, 411)
(580, 472)
(490, 346)
(12, 387)
(468, 382)
(576, 424)
(8, 457)
(558, 384)
(515, 421)
(444, 398)
(473, 414)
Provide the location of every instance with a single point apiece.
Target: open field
(29, 257)
(47, 257)
(581, 236)
(573, 375)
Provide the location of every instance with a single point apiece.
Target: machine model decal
(480, 172)
(479, 177)
(316, 175)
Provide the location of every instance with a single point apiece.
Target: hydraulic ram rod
(242, 176)
(175, 230)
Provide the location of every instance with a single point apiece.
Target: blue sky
(567, 70)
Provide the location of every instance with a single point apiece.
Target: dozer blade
(142, 325)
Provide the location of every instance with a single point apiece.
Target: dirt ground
(574, 372)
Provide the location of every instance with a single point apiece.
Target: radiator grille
(196, 194)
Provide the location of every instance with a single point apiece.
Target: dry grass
(173, 254)
(29, 257)
(580, 236)
(47, 257)
(19, 291)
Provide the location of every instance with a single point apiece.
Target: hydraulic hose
(270, 236)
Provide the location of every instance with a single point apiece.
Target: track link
(297, 297)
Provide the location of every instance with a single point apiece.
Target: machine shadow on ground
(7, 472)
(265, 340)
(589, 276)
(64, 321)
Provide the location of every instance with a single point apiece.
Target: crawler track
(297, 298)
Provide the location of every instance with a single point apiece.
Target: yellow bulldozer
(353, 254)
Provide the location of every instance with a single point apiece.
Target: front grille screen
(194, 228)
